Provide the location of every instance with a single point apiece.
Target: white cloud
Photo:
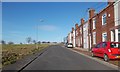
(47, 27)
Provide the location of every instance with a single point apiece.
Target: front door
(119, 35)
(90, 41)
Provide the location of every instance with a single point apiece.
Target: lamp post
(41, 20)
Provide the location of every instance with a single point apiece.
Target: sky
(43, 21)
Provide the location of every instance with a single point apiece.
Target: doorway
(118, 35)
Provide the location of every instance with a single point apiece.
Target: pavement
(113, 63)
(60, 58)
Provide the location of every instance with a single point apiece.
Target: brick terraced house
(77, 34)
(72, 39)
(100, 27)
(100, 24)
(115, 31)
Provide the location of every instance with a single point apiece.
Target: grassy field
(11, 53)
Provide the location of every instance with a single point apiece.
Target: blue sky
(42, 21)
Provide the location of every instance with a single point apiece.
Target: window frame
(104, 46)
(97, 45)
(103, 39)
(94, 37)
(104, 16)
(94, 23)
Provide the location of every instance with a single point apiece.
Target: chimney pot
(110, 2)
(72, 28)
(76, 25)
(91, 13)
(82, 21)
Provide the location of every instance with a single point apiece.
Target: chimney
(110, 2)
(76, 26)
(72, 29)
(82, 21)
(91, 13)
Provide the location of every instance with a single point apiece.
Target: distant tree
(3, 42)
(28, 39)
(10, 43)
(34, 41)
(54, 42)
(39, 42)
(21, 43)
(62, 42)
(48, 42)
(43, 42)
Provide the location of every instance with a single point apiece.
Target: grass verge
(11, 53)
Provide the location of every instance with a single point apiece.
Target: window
(94, 37)
(76, 33)
(104, 45)
(98, 46)
(118, 30)
(114, 45)
(81, 31)
(104, 37)
(104, 16)
(119, 35)
(112, 35)
(94, 23)
(81, 40)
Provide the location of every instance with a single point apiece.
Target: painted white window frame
(94, 37)
(70, 37)
(76, 33)
(94, 23)
(112, 35)
(81, 40)
(103, 36)
(118, 30)
(104, 16)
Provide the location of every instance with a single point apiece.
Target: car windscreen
(70, 44)
(115, 45)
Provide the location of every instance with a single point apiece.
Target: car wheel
(106, 58)
(93, 54)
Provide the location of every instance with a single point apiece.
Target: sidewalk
(86, 52)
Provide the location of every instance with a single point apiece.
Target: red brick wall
(77, 35)
(82, 22)
(109, 10)
(72, 35)
(103, 28)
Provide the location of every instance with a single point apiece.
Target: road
(60, 58)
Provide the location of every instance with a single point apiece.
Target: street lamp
(41, 20)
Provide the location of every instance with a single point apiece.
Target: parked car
(70, 45)
(107, 50)
(65, 44)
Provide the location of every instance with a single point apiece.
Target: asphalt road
(60, 58)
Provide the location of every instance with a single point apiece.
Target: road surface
(60, 58)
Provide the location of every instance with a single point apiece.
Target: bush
(9, 58)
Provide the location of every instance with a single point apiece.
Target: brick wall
(109, 10)
(98, 30)
(77, 34)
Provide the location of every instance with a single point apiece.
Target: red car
(107, 50)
